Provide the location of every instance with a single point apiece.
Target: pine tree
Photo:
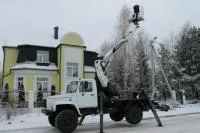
(167, 61)
(39, 96)
(5, 97)
(115, 72)
(188, 56)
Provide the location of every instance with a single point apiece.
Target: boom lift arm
(101, 64)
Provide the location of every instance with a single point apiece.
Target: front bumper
(46, 111)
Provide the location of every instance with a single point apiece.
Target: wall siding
(11, 55)
(89, 75)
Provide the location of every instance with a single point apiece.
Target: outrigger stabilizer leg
(155, 114)
(81, 120)
(151, 106)
(101, 112)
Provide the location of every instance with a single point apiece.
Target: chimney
(56, 28)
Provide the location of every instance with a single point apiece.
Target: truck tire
(134, 114)
(117, 116)
(66, 121)
(51, 119)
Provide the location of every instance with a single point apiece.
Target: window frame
(42, 82)
(72, 69)
(42, 56)
(72, 90)
(81, 90)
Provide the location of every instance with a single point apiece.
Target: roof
(32, 45)
(72, 38)
(26, 45)
(89, 69)
(28, 65)
(90, 57)
(29, 53)
(9, 46)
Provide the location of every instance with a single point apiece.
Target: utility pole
(153, 74)
(162, 70)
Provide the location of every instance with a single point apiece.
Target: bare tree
(122, 27)
(121, 69)
(105, 47)
(142, 68)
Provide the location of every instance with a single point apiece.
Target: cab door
(87, 95)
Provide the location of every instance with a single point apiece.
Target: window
(71, 88)
(83, 89)
(72, 69)
(42, 84)
(19, 82)
(42, 56)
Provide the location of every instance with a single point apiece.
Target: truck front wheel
(134, 114)
(51, 119)
(116, 116)
(66, 121)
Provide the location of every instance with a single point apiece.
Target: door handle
(91, 94)
(82, 94)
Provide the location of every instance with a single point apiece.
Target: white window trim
(42, 52)
(42, 76)
(78, 65)
(15, 88)
(15, 82)
(35, 84)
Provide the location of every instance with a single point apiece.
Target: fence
(132, 94)
(23, 99)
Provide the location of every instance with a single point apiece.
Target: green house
(42, 67)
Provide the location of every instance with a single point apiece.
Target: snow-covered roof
(71, 38)
(89, 69)
(33, 66)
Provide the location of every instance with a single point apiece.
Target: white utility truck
(96, 96)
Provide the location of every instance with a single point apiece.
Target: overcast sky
(32, 21)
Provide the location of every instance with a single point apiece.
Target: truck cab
(79, 93)
(83, 92)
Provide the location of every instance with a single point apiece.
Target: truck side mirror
(86, 84)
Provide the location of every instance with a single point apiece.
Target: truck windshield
(72, 87)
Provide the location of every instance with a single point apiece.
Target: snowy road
(178, 124)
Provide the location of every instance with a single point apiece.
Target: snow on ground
(38, 120)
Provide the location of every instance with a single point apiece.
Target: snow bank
(37, 119)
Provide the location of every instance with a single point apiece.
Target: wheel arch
(61, 107)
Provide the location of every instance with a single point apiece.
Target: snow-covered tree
(121, 69)
(105, 47)
(39, 95)
(167, 62)
(142, 69)
(5, 97)
(122, 26)
(188, 56)
(117, 71)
